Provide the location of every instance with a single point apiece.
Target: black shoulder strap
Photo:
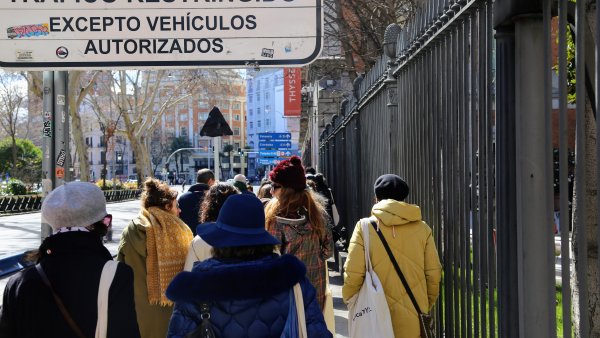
(404, 282)
(59, 303)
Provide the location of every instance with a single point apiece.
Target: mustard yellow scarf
(168, 240)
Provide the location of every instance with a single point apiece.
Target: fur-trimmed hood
(214, 280)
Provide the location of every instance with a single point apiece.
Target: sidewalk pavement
(19, 233)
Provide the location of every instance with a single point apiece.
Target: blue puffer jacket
(249, 299)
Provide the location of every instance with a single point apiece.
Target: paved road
(19, 233)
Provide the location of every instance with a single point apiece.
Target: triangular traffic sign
(215, 125)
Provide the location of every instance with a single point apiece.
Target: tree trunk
(76, 128)
(143, 165)
(588, 198)
(14, 153)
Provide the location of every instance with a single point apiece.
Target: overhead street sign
(278, 145)
(110, 34)
(274, 136)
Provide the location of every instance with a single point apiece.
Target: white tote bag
(368, 311)
(108, 274)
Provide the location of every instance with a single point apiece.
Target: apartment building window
(102, 157)
(236, 117)
(183, 117)
(257, 97)
(267, 122)
(257, 85)
(102, 142)
(181, 106)
(237, 105)
(203, 104)
(257, 111)
(225, 104)
(249, 98)
(258, 124)
(266, 96)
(203, 116)
(236, 145)
(236, 131)
(266, 83)
(251, 125)
(250, 111)
(183, 131)
(170, 118)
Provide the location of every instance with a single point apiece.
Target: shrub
(101, 185)
(16, 187)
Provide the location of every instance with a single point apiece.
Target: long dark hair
(213, 201)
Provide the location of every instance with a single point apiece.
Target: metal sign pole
(48, 182)
(217, 158)
(61, 129)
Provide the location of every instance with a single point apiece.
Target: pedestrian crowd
(220, 261)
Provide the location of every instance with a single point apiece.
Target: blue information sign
(275, 144)
(277, 153)
(270, 161)
(274, 136)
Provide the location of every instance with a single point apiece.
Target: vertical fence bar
(580, 160)
(449, 296)
(548, 63)
(462, 188)
(597, 105)
(453, 157)
(469, 92)
(490, 170)
(563, 153)
(481, 180)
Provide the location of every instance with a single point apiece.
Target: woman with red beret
(297, 219)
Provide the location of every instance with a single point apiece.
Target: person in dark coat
(72, 258)
(246, 283)
(189, 202)
(241, 183)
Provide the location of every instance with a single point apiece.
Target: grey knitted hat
(74, 204)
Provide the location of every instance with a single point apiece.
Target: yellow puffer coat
(411, 241)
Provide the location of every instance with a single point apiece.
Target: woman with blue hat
(245, 290)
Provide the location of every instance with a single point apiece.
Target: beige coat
(411, 241)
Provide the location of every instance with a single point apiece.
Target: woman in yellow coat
(411, 241)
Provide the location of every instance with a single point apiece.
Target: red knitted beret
(290, 174)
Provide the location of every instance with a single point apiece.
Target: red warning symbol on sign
(60, 172)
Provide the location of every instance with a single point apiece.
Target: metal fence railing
(27, 203)
(473, 111)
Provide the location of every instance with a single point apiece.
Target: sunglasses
(275, 186)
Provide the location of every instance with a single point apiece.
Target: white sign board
(109, 34)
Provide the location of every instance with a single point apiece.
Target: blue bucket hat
(241, 222)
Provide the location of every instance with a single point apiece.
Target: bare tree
(143, 97)
(359, 25)
(12, 95)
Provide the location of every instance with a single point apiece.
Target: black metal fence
(463, 106)
(27, 203)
